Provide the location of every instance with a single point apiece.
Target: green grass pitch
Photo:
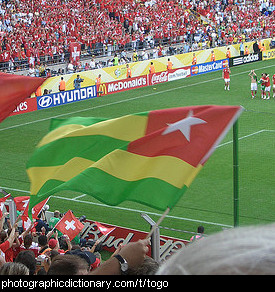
(209, 201)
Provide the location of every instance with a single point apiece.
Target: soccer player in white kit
(254, 85)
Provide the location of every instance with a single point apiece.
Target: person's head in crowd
(2, 260)
(88, 256)
(42, 240)
(56, 214)
(53, 253)
(239, 251)
(13, 268)
(3, 236)
(52, 243)
(200, 229)
(68, 265)
(148, 267)
(27, 258)
(28, 241)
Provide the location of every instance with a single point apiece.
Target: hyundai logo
(45, 101)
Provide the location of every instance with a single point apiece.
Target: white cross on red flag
(75, 52)
(69, 225)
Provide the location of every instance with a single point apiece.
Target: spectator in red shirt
(7, 241)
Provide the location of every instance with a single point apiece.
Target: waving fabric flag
(69, 225)
(103, 229)
(150, 158)
(35, 211)
(21, 202)
(75, 52)
(14, 89)
(2, 203)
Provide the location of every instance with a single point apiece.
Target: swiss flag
(6, 56)
(15, 89)
(69, 225)
(21, 202)
(75, 51)
(103, 229)
(2, 204)
(35, 212)
(72, 29)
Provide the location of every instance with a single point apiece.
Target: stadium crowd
(40, 31)
(41, 250)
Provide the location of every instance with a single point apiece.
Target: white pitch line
(258, 132)
(142, 211)
(124, 209)
(125, 100)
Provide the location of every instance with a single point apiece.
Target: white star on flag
(184, 125)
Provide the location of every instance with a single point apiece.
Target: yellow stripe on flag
(39, 175)
(122, 165)
(134, 127)
(132, 167)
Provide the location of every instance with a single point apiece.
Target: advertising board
(269, 54)
(125, 84)
(29, 105)
(60, 98)
(122, 235)
(209, 67)
(171, 75)
(241, 60)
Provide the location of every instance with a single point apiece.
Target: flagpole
(157, 224)
(236, 174)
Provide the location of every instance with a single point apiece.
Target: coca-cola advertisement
(26, 106)
(169, 75)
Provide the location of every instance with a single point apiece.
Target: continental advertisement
(269, 54)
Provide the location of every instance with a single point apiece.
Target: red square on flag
(69, 225)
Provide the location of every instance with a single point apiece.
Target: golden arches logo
(101, 89)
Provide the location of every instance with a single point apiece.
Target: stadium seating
(40, 31)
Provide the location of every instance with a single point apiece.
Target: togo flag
(150, 157)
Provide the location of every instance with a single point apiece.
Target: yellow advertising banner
(269, 54)
(140, 68)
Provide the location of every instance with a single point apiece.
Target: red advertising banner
(122, 235)
(169, 75)
(123, 85)
(26, 106)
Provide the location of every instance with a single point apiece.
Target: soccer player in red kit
(273, 78)
(267, 85)
(226, 77)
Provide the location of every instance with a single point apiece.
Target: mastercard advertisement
(209, 67)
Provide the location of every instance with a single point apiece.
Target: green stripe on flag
(147, 191)
(62, 150)
(84, 121)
